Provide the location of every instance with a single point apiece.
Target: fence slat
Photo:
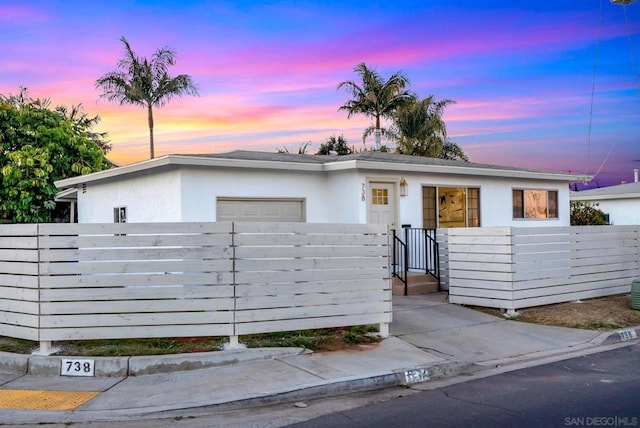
(550, 265)
(132, 267)
(320, 251)
(133, 331)
(135, 319)
(138, 306)
(311, 323)
(107, 294)
(109, 281)
(137, 280)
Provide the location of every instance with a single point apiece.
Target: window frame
(430, 199)
(519, 203)
(120, 214)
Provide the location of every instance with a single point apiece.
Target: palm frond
(144, 82)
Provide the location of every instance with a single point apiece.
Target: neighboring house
(368, 187)
(621, 203)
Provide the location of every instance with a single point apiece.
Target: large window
(535, 203)
(450, 207)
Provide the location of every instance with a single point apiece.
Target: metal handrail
(422, 250)
(435, 253)
(399, 265)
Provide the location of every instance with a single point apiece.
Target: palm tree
(337, 145)
(420, 130)
(453, 151)
(375, 97)
(302, 150)
(138, 81)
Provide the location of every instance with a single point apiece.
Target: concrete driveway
(429, 322)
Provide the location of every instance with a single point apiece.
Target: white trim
(327, 166)
(67, 195)
(455, 170)
(181, 160)
(602, 197)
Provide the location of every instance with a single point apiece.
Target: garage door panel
(275, 210)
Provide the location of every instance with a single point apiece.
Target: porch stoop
(417, 283)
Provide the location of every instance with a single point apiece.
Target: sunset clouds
(520, 72)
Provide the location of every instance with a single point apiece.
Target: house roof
(379, 161)
(620, 191)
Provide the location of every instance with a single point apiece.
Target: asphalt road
(598, 390)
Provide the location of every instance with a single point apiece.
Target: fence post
(384, 330)
(45, 346)
(234, 343)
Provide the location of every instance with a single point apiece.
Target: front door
(382, 204)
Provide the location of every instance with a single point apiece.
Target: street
(596, 390)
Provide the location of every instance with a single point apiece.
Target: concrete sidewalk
(431, 340)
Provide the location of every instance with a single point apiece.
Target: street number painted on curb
(415, 376)
(77, 367)
(627, 334)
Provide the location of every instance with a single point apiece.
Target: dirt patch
(603, 313)
(328, 339)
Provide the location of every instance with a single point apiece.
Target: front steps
(417, 283)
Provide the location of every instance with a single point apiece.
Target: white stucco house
(621, 202)
(368, 187)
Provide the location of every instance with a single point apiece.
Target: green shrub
(586, 214)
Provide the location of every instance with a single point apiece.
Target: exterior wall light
(404, 187)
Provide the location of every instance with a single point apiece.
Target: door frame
(394, 182)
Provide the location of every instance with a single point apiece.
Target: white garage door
(260, 209)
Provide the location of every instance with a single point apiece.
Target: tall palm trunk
(377, 133)
(143, 82)
(150, 117)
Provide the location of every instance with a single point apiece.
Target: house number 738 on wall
(77, 367)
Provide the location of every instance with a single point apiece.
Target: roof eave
(179, 160)
(460, 170)
(67, 195)
(603, 197)
(113, 172)
(186, 160)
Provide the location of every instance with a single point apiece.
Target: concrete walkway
(431, 340)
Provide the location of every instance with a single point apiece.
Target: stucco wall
(148, 198)
(201, 187)
(621, 211)
(343, 198)
(495, 197)
(189, 194)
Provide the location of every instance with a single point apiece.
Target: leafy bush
(586, 214)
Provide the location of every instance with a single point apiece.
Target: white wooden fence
(111, 281)
(514, 268)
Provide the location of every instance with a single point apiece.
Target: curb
(409, 378)
(333, 387)
(622, 335)
(38, 365)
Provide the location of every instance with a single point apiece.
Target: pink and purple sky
(520, 71)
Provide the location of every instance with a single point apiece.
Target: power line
(593, 88)
(624, 4)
